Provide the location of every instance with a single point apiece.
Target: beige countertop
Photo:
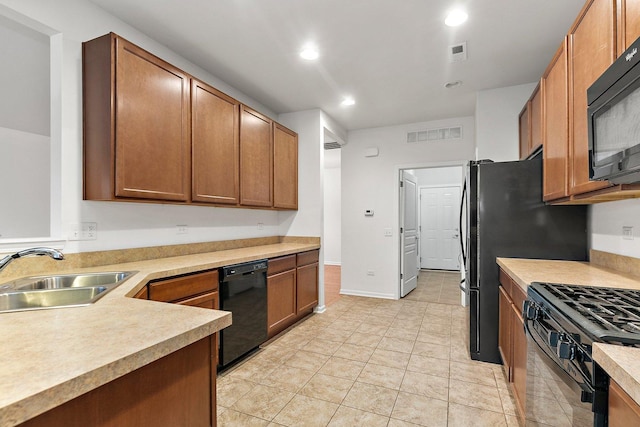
(621, 363)
(48, 357)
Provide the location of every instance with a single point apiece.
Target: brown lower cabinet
(292, 289)
(176, 390)
(623, 410)
(512, 340)
(196, 290)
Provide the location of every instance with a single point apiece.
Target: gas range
(609, 315)
(562, 323)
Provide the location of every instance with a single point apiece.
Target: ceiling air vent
(458, 52)
(439, 134)
(331, 145)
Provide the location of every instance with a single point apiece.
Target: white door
(408, 233)
(439, 228)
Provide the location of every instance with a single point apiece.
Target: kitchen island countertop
(621, 363)
(49, 357)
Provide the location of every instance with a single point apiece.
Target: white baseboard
(320, 309)
(338, 264)
(359, 293)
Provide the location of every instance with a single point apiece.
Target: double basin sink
(64, 290)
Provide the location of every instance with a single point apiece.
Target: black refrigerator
(506, 217)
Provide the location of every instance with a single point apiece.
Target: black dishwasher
(243, 292)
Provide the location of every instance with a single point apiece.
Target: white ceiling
(390, 55)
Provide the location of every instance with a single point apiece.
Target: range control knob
(552, 338)
(566, 349)
(530, 311)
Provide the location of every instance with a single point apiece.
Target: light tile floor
(369, 362)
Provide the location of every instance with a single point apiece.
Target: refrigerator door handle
(464, 196)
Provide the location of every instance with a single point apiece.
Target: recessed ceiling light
(309, 53)
(348, 101)
(456, 17)
(451, 85)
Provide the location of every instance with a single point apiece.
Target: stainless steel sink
(70, 280)
(32, 300)
(62, 290)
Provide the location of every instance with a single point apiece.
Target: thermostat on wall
(368, 212)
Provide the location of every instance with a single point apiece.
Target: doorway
(437, 235)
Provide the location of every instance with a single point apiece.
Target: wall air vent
(458, 52)
(439, 134)
(331, 145)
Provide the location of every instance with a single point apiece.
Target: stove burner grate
(608, 314)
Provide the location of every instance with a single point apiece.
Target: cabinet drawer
(183, 287)
(310, 257)
(506, 283)
(518, 296)
(209, 300)
(278, 265)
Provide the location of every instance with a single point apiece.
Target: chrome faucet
(57, 255)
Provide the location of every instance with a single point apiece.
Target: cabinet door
(623, 410)
(256, 159)
(281, 301)
(535, 140)
(215, 145)
(504, 330)
(629, 29)
(285, 168)
(555, 134)
(208, 300)
(152, 127)
(519, 361)
(307, 287)
(524, 128)
(592, 49)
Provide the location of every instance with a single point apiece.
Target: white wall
(332, 207)
(125, 225)
(24, 159)
(606, 222)
(24, 78)
(372, 183)
(497, 111)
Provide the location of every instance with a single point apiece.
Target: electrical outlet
(83, 231)
(388, 232)
(627, 232)
(260, 226)
(182, 229)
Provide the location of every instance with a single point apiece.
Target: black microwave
(614, 120)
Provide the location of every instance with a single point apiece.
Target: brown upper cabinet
(154, 133)
(555, 107)
(531, 124)
(592, 48)
(285, 168)
(256, 158)
(524, 128)
(602, 31)
(136, 124)
(216, 145)
(628, 23)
